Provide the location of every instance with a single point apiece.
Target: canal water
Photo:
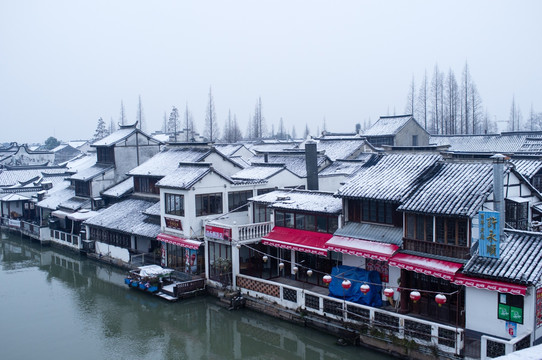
(58, 305)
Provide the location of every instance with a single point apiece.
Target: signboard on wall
(174, 223)
(489, 242)
(218, 233)
(511, 328)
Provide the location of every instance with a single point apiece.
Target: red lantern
(415, 296)
(326, 279)
(364, 288)
(388, 293)
(346, 284)
(440, 299)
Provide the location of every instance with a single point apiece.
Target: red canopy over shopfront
(493, 285)
(433, 267)
(298, 240)
(359, 247)
(175, 240)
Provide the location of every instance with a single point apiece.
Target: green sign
(516, 314)
(504, 312)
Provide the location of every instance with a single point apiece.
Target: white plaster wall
(102, 182)
(330, 183)
(481, 313)
(221, 165)
(113, 251)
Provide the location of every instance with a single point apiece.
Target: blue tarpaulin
(357, 277)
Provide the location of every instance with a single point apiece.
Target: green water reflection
(56, 304)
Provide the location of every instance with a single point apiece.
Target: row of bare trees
(448, 105)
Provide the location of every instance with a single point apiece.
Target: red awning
(493, 285)
(359, 247)
(298, 240)
(438, 268)
(187, 243)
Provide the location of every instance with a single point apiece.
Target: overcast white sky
(64, 64)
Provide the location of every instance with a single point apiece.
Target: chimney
(498, 188)
(265, 157)
(311, 161)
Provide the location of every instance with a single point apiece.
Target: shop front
(184, 255)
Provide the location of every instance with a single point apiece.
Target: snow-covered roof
(16, 176)
(519, 262)
(168, 160)
(121, 189)
(527, 167)
(116, 137)
(81, 162)
(480, 143)
(186, 175)
(372, 232)
(456, 188)
(127, 217)
(75, 203)
(154, 210)
(302, 200)
(388, 125)
(339, 148)
(258, 172)
(92, 172)
(77, 143)
(341, 167)
(14, 197)
(57, 195)
(228, 149)
(275, 146)
(389, 177)
(293, 162)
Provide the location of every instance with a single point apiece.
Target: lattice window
(333, 307)
(388, 321)
(289, 295)
(446, 337)
(312, 302)
(357, 313)
(495, 349)
(418, 330)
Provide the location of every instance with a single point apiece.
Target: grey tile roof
(480, 143)
(91, 172)
(13, 177)
(185, 175)
(114, 138)
(168, 160)
(293, 162)
(302, 200)
(388, 178)
(56, 196)
(520, 260)
(127, 217)
(341, 167)
(339, 148)
(527, 167)
(387, 125)
(532, 145)
(228, 149)
(372, 232)
(258, 172)
(455, 188)
(120, 189)
(75, 203)
(154, 210)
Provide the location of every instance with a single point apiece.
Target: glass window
(289, 220)
(429, 228)
(237, 199)
(420, 227)
(207, 204)
(174, 204)
(333, 224)
(510, 307)
(300, 221)
(410, 226)
(321, 223)
(279, 218)
(441, 230)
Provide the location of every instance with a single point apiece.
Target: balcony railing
(30, 229)
(446, 338)
(434, 248)
(65, 238)
(251, 231)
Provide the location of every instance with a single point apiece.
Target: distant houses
(384, 232)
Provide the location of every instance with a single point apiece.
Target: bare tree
(465, 91)
(189, 127)
(294, 134)
(307, 132)
(228, 129)
(515, 116)
(211, 132)
(164, 124)
(122, 116)
(112, 126)
(281, 133)
(476, 109)
(258, 121)
(436, 88)
(410, 107)
(422, 101)
(173, 123)
(140, 118)
(452, 104)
